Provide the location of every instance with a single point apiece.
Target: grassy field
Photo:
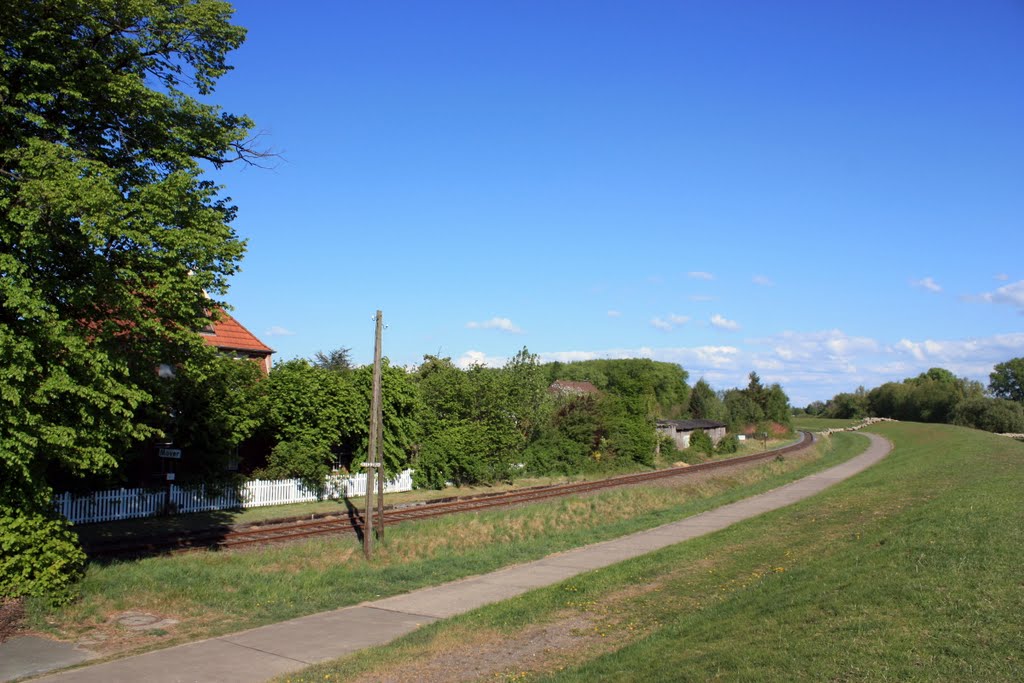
(816, 424)
(211, 593)
(910, 571)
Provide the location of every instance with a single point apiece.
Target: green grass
(212, 593)
(816, 424)
(910, 571)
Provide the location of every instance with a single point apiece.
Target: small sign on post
(172, 453)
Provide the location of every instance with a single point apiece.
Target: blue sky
(829, 193)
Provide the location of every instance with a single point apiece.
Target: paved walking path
(268, 651)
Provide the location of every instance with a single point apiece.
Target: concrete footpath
(263, 653)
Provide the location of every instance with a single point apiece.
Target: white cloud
(716, 356)
(1002, 277)
(673, 320)
(614, 314)
(987, 350)
(797, 345)
(701, 297)
(927, 283)
(470, 358)
(700, 275)
(1012, 294)
(503, 324)
(278, 331)
(723, 323)
(844, 346)
(763, 281)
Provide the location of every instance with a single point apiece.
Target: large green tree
(705, 403)
(109, 235)
(1007, 380)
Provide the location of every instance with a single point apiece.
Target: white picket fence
(115, 504)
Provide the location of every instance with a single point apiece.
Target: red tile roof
(229, 334)
(565, 386)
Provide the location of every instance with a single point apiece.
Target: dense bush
(39, 552)
(728, 445)
(700, 442)
(991, 414)
(465, 453)
(306, 458)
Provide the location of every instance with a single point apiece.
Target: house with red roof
(230, 336)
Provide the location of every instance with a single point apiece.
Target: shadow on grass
(107, 542)
(356, 519)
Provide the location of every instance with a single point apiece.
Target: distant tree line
(939, 396)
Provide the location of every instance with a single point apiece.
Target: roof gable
(230, 335)
(565, 386)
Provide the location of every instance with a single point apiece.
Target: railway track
(352, 522)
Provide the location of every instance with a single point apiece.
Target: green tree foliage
(991, 414)
(304, 459)
(890, 400)
(656, 389)
(338, 360)
(108, 233)
(756, 404)
(705, 403)
(574, 432)
(1007, 380)
(815, 408)
(309, 405)
(700, 442)
(848, 406)
(506, 418)
(214, 403)
(526, 390)
(400, 427)
(317, 410)
(932, 396)
(742, 410)
(728, 445)
(470, 434)
(631, 435)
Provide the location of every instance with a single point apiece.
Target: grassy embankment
(212, 593)
(816, 424)
(910, 571)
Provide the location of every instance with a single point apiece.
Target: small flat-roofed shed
(680, 430)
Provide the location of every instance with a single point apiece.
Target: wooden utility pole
(380, 459)
(373, 452)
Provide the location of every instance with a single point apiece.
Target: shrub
(991, 414)
(728, 445)
(556, 454)
(303, 458)
(700, 442)
(39, 553)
